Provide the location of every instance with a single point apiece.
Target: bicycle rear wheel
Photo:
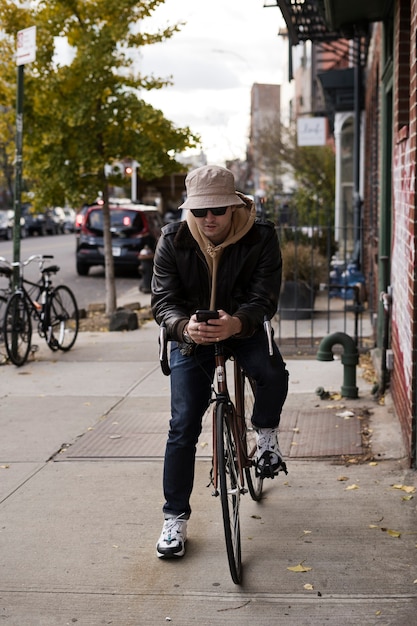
(63, 319)
(230, 490)
(255, 483)
(17, 329)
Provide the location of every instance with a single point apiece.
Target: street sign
(311, 131)
(26, 46)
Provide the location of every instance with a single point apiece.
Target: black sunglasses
(221, 210)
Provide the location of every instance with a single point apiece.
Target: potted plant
(303, 269)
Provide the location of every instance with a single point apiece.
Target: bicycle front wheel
(255, 482)
(229, 489)
(17, 329)
(63, 319)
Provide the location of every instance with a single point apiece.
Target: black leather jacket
(248, 280)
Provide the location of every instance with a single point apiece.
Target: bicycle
(54, 308)
(234, 444)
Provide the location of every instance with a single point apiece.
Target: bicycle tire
(17, 329)
(63, 319)
(230, 490)
(255, 482)
(3, 302)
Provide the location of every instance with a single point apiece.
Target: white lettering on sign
(311, 131)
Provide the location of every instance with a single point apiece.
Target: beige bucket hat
(209, 187)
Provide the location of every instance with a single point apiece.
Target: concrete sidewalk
(82, 438)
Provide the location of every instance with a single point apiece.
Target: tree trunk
(111, 302)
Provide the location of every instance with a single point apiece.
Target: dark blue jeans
(191, 380)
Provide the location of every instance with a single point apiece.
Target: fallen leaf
(307, 532)
(373, 526)
(391, 533)
(342, 478)
(373, 463)
(295, 430)
(351, 487)
(299, 568)
(204, 444)
(256, 517)
(4, 466)
(309, 587)
(407, 498)
(406, 488)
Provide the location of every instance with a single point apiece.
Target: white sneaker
(173, 537)
(268, 457)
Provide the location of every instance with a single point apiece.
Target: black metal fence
(323, 289)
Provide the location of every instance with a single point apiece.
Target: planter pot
(296, 301)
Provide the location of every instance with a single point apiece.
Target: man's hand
(214, 330)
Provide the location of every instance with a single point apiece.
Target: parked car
(6, 225)
(132, 227)
(34, 222)
(57, 220)
(79, 218)
(69, 220)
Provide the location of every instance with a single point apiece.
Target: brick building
(382, 36)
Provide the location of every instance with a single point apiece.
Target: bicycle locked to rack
(54, 309)
(234, 443)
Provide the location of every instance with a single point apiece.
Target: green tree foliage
(80, 115)
(311, 167)
(7, 121)
(86, 112)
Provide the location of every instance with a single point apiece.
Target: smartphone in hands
(203, 315)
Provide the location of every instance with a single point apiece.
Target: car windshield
(122, 221)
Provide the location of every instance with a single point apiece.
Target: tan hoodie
(243, 219)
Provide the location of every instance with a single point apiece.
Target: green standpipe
(350, 359)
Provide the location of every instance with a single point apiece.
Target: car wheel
(82, 269)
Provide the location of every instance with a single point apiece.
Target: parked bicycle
(54, 309)
(234, 444)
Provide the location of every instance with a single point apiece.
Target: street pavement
(82, 439)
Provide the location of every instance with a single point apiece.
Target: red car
(132, 227)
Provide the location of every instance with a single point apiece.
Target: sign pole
(26, 53)
(18, 170)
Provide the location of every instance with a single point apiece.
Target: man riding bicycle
(221, 258)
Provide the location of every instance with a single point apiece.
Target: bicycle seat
(52, 269)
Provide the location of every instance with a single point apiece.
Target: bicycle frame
(222, 395)
(39, 305)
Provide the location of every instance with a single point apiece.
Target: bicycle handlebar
(33, 257)
(163, 350)
(269, 335)
(163, 344)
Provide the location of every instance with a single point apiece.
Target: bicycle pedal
(34, 348)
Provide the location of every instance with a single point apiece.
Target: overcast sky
(225, 47)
